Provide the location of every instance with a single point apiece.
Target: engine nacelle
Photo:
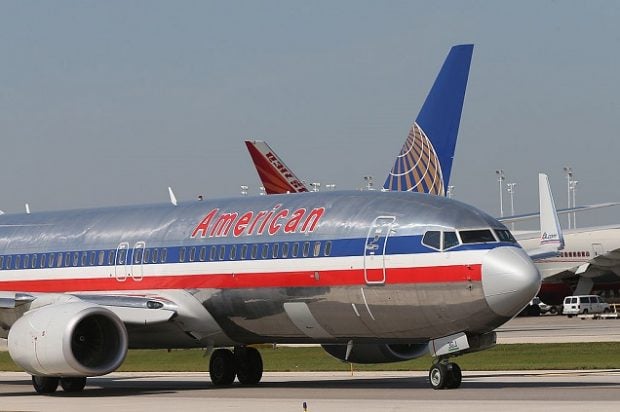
(68, 339)
(377, 353)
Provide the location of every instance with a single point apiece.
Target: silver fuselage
(316, 267)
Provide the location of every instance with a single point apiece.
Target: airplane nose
(509, 280)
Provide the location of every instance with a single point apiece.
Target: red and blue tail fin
(273, 173)
(425, 161)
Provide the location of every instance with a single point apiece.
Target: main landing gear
(46, 385)
(445, 375)
(244, 363)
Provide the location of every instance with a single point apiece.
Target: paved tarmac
(558, 329)
(327, 392)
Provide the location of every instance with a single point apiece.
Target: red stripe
(441, 274)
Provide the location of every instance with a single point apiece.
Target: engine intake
(68, 339)
(377, 353)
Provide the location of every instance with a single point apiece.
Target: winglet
(173, 198)
(425, 161)
(274, 174)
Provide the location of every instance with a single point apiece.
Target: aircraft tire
(44, 385)
(455, 376)
(222, 367)
(438, 376)
(75, 384)
(249, 366)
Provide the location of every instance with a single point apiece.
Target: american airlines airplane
(372, 276)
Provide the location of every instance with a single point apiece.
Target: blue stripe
(337, 248)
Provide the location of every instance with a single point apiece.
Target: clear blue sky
(110, 102)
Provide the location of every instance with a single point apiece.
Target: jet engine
(68, 339)
(377, 353)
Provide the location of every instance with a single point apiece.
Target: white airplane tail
(551, 236)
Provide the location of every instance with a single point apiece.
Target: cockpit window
(432, 238)
(450, 240)
(477, 236)
(505, 236)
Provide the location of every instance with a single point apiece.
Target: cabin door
(374, 249)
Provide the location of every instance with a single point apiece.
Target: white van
(575, 305)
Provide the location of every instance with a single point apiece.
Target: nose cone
(509, 280)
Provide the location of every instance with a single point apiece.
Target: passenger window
(450, 240)
(244, 251)
(182, 254)
(328, 248)
(26, 259)
(138, 256)
(101, 258)
(1, 262)
(284, 250)
(156, 255)
(317, 249)
(212, 253)
(265, 251)
(295, 250)
(192, 254)
(477, 236)
(203, 253)
(147, 255)
(164, 255)
(58, 260)
(122, 253)
(111, 258)
(306, 250)
(222, 252)
(254, 251)
(91, 259)
(42, 264)
(274, 251)
(233, 252)
(33, 262)
(8, 262)
(432, 238)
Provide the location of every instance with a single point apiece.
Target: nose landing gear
(445, 375)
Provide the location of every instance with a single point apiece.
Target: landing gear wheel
(73, 384)
(222, 367)
(44, 385)
(455, 376)
(249, 365)
(438, 375)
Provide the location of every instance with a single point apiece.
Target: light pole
(510, 187)
(368, 180)
(569, 177)
(573, 187)
(500, 180)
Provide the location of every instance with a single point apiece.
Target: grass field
(502, 357)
